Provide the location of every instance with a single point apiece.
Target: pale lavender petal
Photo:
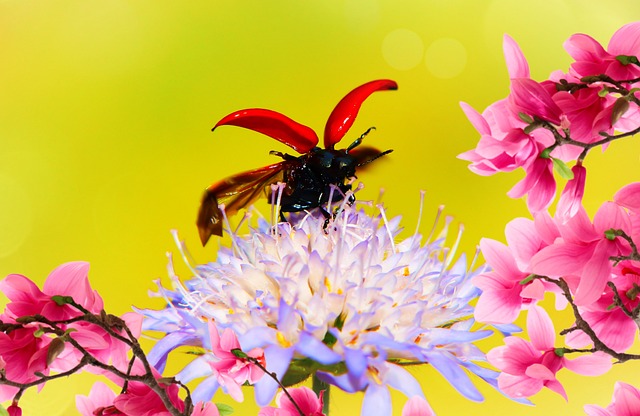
(376, 401)
(313, 348)
(278, 360)
(205, 390)
(449, 368)
(402, 380)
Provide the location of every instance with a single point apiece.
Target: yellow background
(105, 144)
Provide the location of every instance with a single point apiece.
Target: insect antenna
(386, 152)
(357, 142)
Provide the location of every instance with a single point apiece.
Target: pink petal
(626, 40)
(534, 290)
(554, 385)
(583, 47)
(523, 240)
(99, 396)
(499, 257)
(540, 328)
(531, 98)
(546, 227)
(519, 386)
(611, 215)
(594, 364)
(629, 197)
(627, 399)
(305, 398)
(71, 279)
(514, 357)
(571, 197)
(516, 62)
(499, 306)
(593, 410)
(595, 274)
(560, 259)
(476, 119)
(18, 288)
(417, 406)
(540, 372)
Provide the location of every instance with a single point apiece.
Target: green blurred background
(106, 108)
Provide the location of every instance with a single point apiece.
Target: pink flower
(611, 325)
(305, 398)
(69, 279)
(25, 355)
(417, 406)
(539, 184)
(205, 409)
(582, 255)
(102, 401)
(99, 401)
(534, 99)
(232, 372)
(527, 367)
(571, 197)
(222, 367)
(587, 112)
(503, 295)
(626, 402)
(591, 58)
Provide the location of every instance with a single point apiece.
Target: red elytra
(298, 136)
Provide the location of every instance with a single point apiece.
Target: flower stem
(318, 386)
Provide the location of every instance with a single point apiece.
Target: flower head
(348, 297)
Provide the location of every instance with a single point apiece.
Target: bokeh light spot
(402, 49)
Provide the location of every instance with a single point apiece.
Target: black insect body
(310, 180)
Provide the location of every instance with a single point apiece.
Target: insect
(308, 178)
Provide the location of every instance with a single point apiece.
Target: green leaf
(563, 170)
(62, 300)
(603, 93)
(3, 411)
(610, 234)
(329, 339)
(559, 351)
(525, 117)
(239, 353)
(299, 371)
(38, 333)
(545, 154)
(627, 59)
(224, 409)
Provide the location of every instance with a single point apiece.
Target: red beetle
(308, 178)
